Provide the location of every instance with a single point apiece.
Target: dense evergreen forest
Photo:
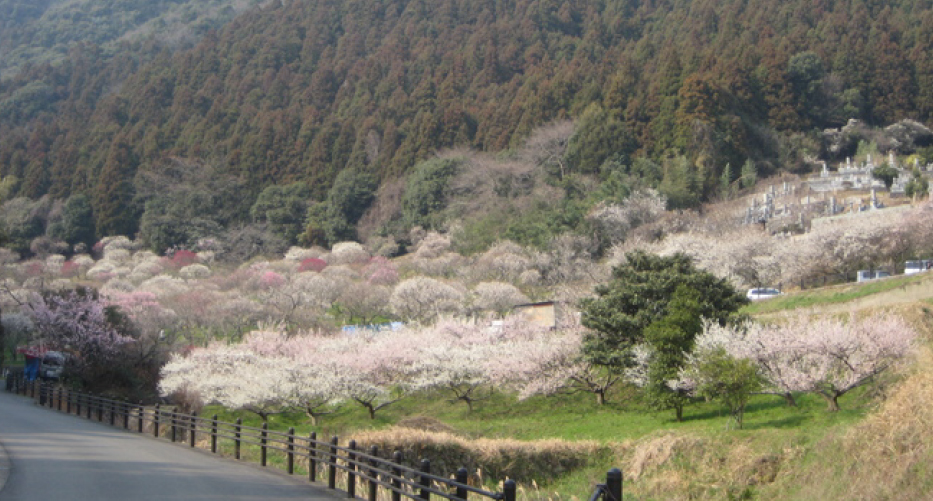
(325, 100)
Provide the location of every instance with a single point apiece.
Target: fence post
(373, 473)
(61, 390)
(236, 440)
(192, 432)
(88, 404)
(396, 476)
(290, 465)
(424, 480)
(614, 484)
(125, 410)
(214, 434)
(263, 440)
(43, 399)
(508, 490)
(68, 402)
(332, 462)
(141, 417)
(100, 409)
(174, 425)
(113, 412)
(463, 476)
(78, 405)
(312, 460)
(351, 465)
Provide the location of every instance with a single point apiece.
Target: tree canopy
(641, 293)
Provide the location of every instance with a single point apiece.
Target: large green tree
(283, 208)
(352, 193)
(640, 294)
(76, 225)
(426, 191)
(671, 338)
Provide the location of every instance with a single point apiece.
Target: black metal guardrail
(325, 458)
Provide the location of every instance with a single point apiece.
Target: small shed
(543, 314)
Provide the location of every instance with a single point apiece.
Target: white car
(911, 267)
(762, 293)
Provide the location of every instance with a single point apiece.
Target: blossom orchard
(272, 372)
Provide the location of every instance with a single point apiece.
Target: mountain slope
(300, 91)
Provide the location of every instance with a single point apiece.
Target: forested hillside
(299, 92)
(40, 31)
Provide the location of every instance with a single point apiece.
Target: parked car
(52, 365)
(911, 267)
(762, 293)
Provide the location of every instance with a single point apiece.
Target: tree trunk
(832, 401)
(789, 398)
(679, 412)
(601, 397)
(371, 409)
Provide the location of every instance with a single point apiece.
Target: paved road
(53, 456)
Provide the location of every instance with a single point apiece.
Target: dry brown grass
(486, 458)
(676, 466)
(890, 452)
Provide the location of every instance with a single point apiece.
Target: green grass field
(769, 424)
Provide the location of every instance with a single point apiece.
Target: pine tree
(113, 197)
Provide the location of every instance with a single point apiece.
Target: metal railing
(611, 490)
(324, 460)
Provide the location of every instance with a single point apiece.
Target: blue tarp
(391, 326)
(31, 370)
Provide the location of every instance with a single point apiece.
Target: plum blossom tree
(362, 303)
(555, 365)
(825, 355)
(423, 298)
(614, 221)
(497, 297)
(232, 376)
(153, 324)
(380, 271)
(78, 322)
(456, 357)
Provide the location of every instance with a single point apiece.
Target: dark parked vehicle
(53, 363)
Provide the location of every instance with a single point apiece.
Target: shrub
(181, 258)
(312, 264)
(347, 253)
(195, 271)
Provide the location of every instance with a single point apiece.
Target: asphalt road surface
(47, 455)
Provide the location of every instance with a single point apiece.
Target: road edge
(5, 466)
